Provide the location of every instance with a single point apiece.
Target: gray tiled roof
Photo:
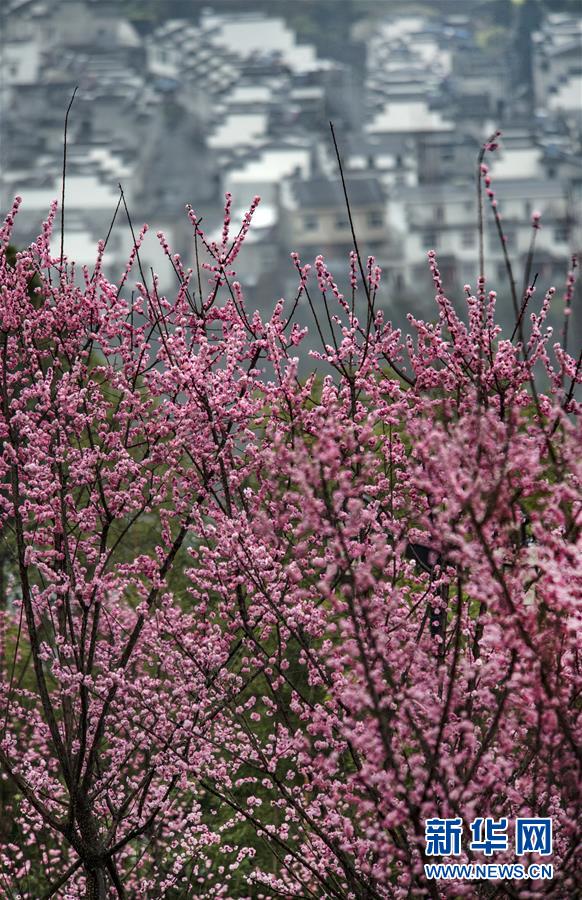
(323, 192)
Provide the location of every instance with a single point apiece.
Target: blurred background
(181, 100)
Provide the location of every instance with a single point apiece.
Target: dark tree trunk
(96, 884)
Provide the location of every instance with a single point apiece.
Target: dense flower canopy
(258, 628)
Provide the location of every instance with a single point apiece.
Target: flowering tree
(259, 629)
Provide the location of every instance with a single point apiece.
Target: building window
(468, 239)
(375, 219)
(310, 223)
(561, 234)
(341, 223)
(429, 240)
(439, 214)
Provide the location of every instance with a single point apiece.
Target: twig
(528, 293)
(530, 258)
(64, 175)
(399, 372)
(351, 221)
(135, 245)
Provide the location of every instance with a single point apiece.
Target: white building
(263, 174)
(557, 62)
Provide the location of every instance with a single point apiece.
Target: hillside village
(182, 112)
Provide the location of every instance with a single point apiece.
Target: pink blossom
(258, 627)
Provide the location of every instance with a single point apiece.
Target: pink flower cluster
(256, 628)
